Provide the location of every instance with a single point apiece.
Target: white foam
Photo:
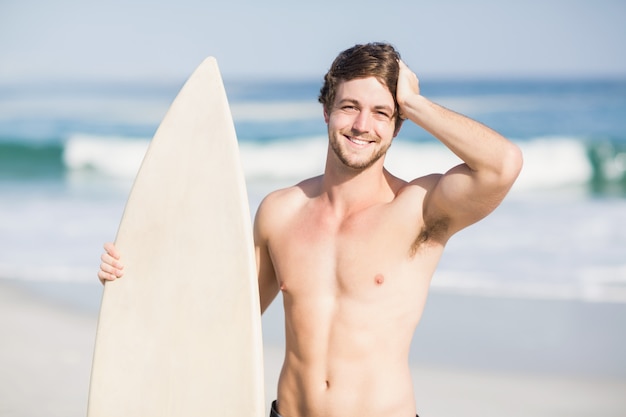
(551, 162)
(548, 162)
(291, 160)
(118, 157)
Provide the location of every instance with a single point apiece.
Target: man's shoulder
(292, 195)
(426, 182)
(418, 187)
(412, 196)
(284, 202)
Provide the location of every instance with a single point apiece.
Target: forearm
(481, 148)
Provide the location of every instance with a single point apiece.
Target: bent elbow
(507, 169)
(513, 161)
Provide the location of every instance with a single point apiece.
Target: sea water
(69, 152)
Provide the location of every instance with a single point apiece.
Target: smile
(360, 142)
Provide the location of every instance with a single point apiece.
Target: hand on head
(408, 86)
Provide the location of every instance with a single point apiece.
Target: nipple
(379, 279)
(282, 287)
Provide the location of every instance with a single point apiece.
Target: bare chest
(359, 256)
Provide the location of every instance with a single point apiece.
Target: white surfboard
(180, 334)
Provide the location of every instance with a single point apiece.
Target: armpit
(434, 231)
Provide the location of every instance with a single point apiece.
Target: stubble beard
(361, 164)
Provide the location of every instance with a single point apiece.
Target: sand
(45, 356)
(46, 350)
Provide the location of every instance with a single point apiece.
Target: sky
(159, 40)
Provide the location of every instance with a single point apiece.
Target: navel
(379, 279)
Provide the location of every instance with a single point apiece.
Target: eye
(383, 115)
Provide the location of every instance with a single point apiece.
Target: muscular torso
(354, 287)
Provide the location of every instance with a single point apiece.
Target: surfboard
(180, 333)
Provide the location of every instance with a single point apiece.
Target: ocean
(538, 287)
(551, 258)
(69, 152)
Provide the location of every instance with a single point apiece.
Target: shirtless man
(353, 250)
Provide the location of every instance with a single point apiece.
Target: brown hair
(380, 60)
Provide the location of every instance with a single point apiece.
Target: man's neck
(349, 190)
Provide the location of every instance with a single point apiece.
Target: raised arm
(491, 163)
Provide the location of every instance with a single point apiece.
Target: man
(353, 250)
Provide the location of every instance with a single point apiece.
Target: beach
(48, 337)
(527, 309)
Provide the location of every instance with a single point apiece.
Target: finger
(110, 248)
(110, 266)
(110, 269)
(107, 273)
(105, 276)
(109, 260)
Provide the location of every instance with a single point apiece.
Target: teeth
(359, 141)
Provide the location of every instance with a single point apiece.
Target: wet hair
(380, 60)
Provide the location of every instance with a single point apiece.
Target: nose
(362, 122)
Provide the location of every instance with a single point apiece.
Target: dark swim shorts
(274, 411)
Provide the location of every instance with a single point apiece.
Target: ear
(326, 116)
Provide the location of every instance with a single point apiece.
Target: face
(361, 122)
